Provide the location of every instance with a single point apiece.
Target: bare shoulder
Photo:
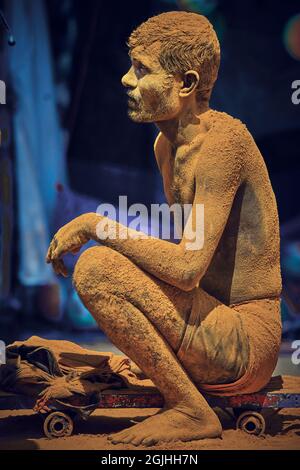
(226, 131)
(228, 145)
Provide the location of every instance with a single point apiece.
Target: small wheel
(58, 424)
(251, 422)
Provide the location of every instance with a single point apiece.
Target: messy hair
(187, 41)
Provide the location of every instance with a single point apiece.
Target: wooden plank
(281, 392)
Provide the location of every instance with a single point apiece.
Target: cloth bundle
(65, 373)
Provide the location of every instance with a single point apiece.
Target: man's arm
(217, 177)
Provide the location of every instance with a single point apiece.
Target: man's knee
(93, 279)
(92, 268)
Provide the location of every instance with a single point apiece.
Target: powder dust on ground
(23, 430)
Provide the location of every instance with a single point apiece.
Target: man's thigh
(167, 307)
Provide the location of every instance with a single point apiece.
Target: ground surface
(23, 430)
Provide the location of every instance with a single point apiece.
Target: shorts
(231, 349)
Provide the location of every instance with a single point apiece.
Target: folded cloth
(65, 372)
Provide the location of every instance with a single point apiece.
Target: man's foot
(169, 425)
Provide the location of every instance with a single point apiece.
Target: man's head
(175, 56)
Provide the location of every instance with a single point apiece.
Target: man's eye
(140, 71)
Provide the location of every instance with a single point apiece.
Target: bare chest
(179, 177)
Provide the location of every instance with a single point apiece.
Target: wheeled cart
(248, 410)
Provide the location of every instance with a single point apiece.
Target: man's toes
(120, 437)
(113, 437)
(130, 439)
(116, 441)
(149, 441)
(136, 440)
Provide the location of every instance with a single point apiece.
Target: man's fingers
(59, 267)
(59, 247)
(52, 247)
(49, 254)
(56, 267)
(62, 268)
(59, 252)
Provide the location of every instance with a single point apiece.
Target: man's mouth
(131, 102)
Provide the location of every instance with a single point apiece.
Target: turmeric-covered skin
(141, 290)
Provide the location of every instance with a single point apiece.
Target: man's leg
(145, 319)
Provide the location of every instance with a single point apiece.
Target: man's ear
(189, 83)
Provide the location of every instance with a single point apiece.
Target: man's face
(153, 94)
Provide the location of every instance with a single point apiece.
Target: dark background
(108, 155)
(254, 85)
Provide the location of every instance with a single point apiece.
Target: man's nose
(129, 80)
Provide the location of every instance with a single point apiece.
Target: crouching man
(193, 320)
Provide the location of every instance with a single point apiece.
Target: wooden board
(281, 392)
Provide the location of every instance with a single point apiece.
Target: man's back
(246, 263)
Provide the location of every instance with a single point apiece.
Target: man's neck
(183, 129)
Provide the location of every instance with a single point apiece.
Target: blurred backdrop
(70, 146)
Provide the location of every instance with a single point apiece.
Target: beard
(161, 110)
(137, 115)
(137, 111)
